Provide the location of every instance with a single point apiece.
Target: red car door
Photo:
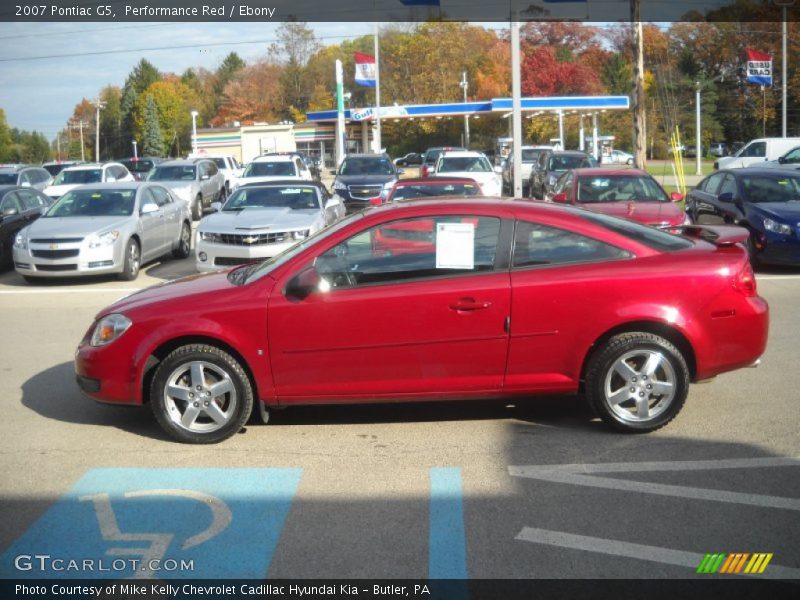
(394, 322)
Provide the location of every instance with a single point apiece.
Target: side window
(25, 177)
(160, 195)
(212, 168)
(728, 185)
(758, 149)
(711, 185)
(298, 165)
(536, 245)
(146, 197)
(412, 249)
(28, 199)
(564, 183)
(10, 201)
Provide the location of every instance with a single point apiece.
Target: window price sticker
(455, 245)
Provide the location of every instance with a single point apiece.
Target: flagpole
(377, 141)
(340, 126)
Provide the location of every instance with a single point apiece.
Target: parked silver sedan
(104, 228)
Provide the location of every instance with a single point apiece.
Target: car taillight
(745, 281)
(424, 171)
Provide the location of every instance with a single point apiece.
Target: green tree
(112, 143)
(6, 143)
(225, 73)
(152, 138)
(174, 102)
(295, 46)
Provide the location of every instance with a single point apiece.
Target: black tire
(752, 253)
(629, 162)
(614, 397)
(223, 194)
(184, 243)
(193, 372)
(132, 262)
(197, 208)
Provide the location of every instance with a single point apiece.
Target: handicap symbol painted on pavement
(158, 523)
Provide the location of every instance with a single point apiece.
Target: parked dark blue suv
(362, 177)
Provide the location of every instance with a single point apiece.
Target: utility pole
(784, 4)
(516, 108)
(698, 138)
(58, 146)
(464, 85)
(639, 141)
(98, 104)
(80, 125)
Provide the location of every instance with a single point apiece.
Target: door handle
(469, 304)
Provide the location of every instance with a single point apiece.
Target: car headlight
(21, 241)
(776, 227)
(339, 185)
(299, 235)
(210, 236)
(109, 328)
(98, 240)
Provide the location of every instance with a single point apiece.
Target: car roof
(433, 181)
(180, 162)
(120, 185)
(283, 182)
(776, 172)
(462, 153)
(276, 157)
(570, 153)
(86, 166)
(605, 171)
(366, 155)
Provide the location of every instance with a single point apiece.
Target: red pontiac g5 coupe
(487, 298)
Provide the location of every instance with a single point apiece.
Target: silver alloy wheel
(640, 385)
(186, 239)
(200, 397)
(133, 259)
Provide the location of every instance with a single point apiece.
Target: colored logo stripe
(734, 563)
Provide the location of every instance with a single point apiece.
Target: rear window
(648, 236)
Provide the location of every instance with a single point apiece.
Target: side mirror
(8, 212)
(332, 202)
(304, 283)
(560, 198)
(676, 196)
(25, 184)
(216, 206)
(498, 169)
(149, 207)
(782, 160)
(726, 197)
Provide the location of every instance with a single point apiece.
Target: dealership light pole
(464, 85)
(194, 114)
(697, 137)
(516, 108)
(135, 155)
(784, 4)
(98, 104)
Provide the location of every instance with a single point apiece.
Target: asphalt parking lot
(471, 489)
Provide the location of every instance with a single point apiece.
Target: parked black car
(141, 166)
(19, 207)
(362, 177)
(412, 159)
(765, 201)
(550, 166)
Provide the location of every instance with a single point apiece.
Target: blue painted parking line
(164, 523)
(447, 550)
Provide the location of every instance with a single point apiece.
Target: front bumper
(68, 259)
(219, 257)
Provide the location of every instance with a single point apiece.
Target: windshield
(531, 154)
(220, 162)
(68, 176)
(283, 168)
(8, 178)
(138, 166)
(94, 203)
(426, 190)
(249, 273)
(296, 198)
(783, 188)
(619, 188)
(569, 161)
(366, 165)
(471, 164)
(173, 173)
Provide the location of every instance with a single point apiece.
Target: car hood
(56, 191)
(175, 185)
(784, 211)
(649, 213)
(365, 179)
(67, 227)
(179, 290)
(265, 178)
(481, 178)
(259, 218)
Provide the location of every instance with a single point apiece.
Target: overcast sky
(41, 94)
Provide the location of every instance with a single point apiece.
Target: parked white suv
(228, 166)
(72, 177)
(470, 164)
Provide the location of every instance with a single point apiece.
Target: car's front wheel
(200, 394)
(637, 382)
(197, 208)
(132, 261)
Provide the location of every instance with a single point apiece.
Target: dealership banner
(365, 69)
(759, 67)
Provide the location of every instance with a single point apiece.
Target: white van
(756, 151)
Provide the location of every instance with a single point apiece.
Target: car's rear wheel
(752, 252)
(132, 262)
(201, 394)
(185, 242)
(197, 208)
(637, 382)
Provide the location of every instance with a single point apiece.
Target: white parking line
(576, 474)
(657, 554)
(776, 277)
(73, 291)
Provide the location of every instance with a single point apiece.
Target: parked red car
(511, 298)
(629, 193)
(427, 187)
